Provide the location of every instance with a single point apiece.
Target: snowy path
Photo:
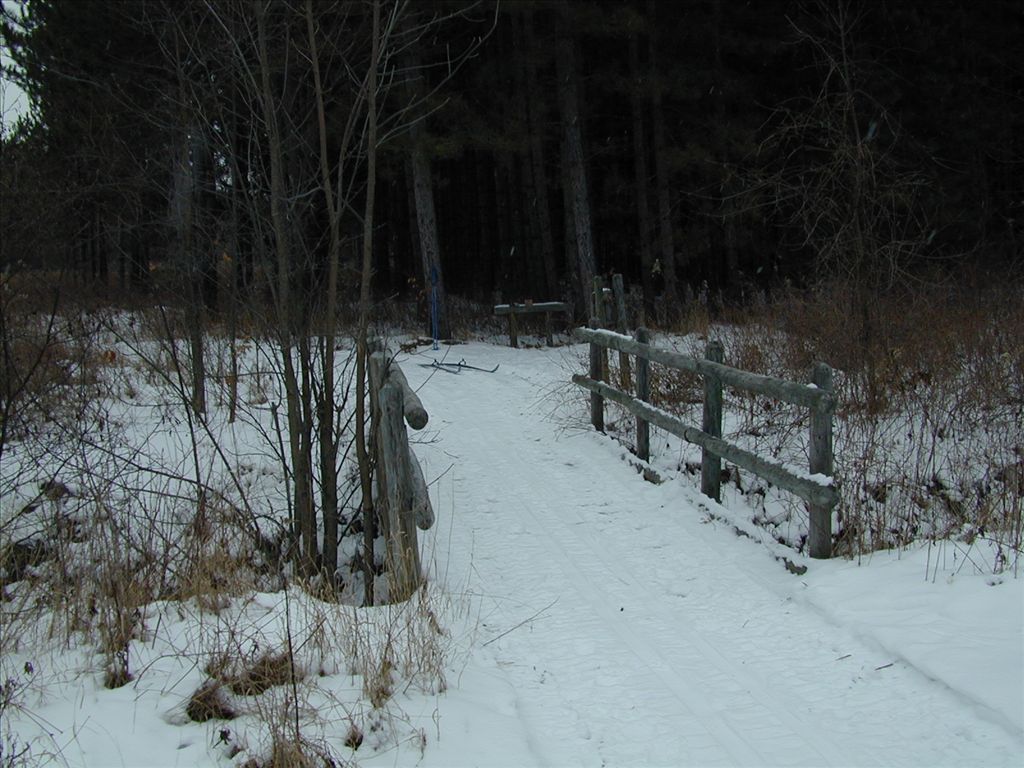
(657, 638)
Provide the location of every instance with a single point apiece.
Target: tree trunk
(727, 207)
(637, 101)
(535, 122)
(568, 98)
(362, 455)
(666, 246)
(302, 523)
(426, 218)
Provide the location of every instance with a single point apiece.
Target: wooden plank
(619, 292)
(531, 309)
(376, 365)
(596, 402)
(599, 302)
(788, 391)
(710, 463)
(820, 527)
(419, 497)
(803, 487)
(643, 392)
(625, 376)
(393, 461)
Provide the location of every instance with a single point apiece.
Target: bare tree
(834, 175)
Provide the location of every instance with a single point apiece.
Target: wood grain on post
(403, 557)
(599, 305)
(710, 464)
(601, 313)
(820, 528)
(643, 392)
(415, 414)
(419, 497)
(513, 331)
(596, 373)
(625, 377)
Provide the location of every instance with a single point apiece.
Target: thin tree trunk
(637, 101)
(328, 441)
(301, 482)
(666, 245)
(535, 123)
(362, 455)
(426, 218)
(568, 97)
(727, 209)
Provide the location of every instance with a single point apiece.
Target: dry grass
(209, 702)
(931, 401)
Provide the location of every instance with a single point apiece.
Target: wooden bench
(530, 308)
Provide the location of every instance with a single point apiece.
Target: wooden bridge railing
(512, 311)
(403, 503)
(818, 396)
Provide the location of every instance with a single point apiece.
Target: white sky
(13, 101)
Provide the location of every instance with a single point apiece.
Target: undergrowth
(131, 533)
(929, 442)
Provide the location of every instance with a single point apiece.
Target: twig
(521, 623)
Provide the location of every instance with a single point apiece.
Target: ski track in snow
(664, 640)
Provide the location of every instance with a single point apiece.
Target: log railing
(814, 487)
(403, 503)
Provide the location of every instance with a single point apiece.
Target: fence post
(596, 401)
(601, 313)
(402, 547)
(513, 330)
(820, 528)
(643, 392)
(711, 465)
(625, 377)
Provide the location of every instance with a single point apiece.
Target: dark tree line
(691, 143)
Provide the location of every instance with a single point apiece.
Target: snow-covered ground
(595, 618)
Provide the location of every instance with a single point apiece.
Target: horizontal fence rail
(545, 308)
(817, 396)
(780, 389)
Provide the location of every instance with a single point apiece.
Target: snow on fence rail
(403, 503)
(818, 396)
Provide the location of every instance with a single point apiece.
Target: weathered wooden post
(643, 392)
(403, 555)
(548, 330)
(596, 401)
(513, 330)
(601, 313)
(625, 378)
(711, 465)
(820, 529)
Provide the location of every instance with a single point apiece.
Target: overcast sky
(13, 102)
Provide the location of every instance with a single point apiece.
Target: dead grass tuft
(267, 671)
(209, 702)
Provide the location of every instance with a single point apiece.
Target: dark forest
(696, 147)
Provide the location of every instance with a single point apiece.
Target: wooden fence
(512, 311)
(403, 503)
(818, 396)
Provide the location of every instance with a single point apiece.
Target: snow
(591, 618)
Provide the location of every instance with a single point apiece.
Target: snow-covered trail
(617, 626)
